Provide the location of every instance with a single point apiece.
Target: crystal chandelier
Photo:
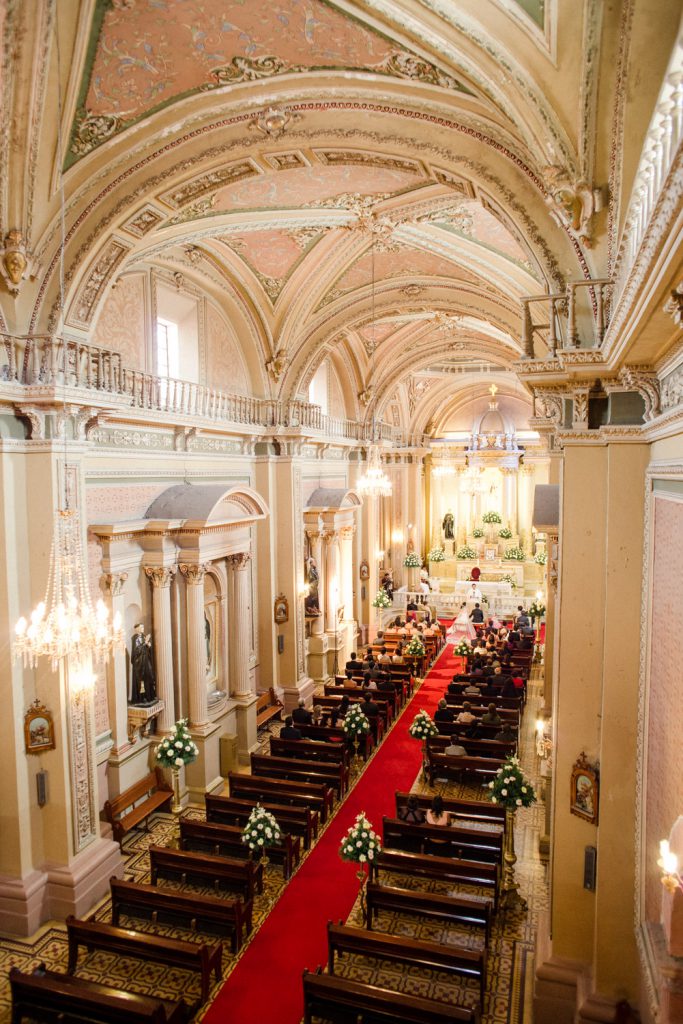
(374, 483)
(65, 622)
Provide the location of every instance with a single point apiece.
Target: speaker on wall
(41, 787)
(590, 859)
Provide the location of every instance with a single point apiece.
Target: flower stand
(510, 898)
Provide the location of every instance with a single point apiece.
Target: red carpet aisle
(265, 987)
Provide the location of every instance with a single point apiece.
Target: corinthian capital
(194, 574)
(241, 560)
(114, 582)
(160, 576)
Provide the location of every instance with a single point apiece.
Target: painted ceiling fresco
(405, 262)
(270, 253)
(146, 54)
(307, 185)
(486, 228)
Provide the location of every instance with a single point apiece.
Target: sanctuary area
(341, 511)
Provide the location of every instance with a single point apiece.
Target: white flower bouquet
(436, 555)
(355, 723)
(423, 726)
(514, 554)
(507, 578)
(477, 532)
(261, 830)
(415, 648)
(462, 650)
(381, 599)
(537, 610)
(505, 533)
(491, 517)
(412, 561)
(511, 788)
(361, 843)
(178, 749)
(466, 552)
(541, 557)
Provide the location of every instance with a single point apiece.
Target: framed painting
(281, 610)
(490, 553)
(584, 792)
(39, 729)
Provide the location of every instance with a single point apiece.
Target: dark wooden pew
(455, 767)
(227, 839)
(314, 773)
(487, 732)
(467, 910)
(380, 697)
(47, 996)
(474, 810)
(305, 749)
(335, 734)
(346, 1002)
(230, 916)
(243, 876)
(456, 703)
(454, 841)
(298, 794)
(228, 810)
(445, 869)
(190, 956)
(468, 963)
(483, 747)
(378, 725)
(134, 806)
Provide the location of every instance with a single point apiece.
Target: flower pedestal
(362, 877)
(176, 806)
(510, 897)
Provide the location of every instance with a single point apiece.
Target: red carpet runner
(265, 987)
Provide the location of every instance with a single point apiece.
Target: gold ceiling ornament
(445, 322)
(14, 261)
(274, 121)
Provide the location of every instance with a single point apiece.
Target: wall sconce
(379, 555)
(81, 683)
(668, 862)
(397, 537)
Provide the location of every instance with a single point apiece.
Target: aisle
(265, 987)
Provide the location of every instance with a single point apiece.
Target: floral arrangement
(505, 533)
(477, 532)
(491, 517)
(415, 648)
(537, 610)
(507, 578)
(515, 554)
(178, 749)
(436, 555)
(541, 557)
(261, 830)
(381, 599)
(511, 788)
(412, 561)
(462, 650)
(467, 552)
(355, 723)
(361, 843)
(423, 726)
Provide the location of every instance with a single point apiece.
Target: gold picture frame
(39, 729)
(364, 571)
(584, 790)
(281, 610)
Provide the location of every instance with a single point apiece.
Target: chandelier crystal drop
(374, 483)
(66, 623)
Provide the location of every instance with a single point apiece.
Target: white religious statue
(474, 593)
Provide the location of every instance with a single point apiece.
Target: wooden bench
(190, 956)
(483, 747)
(475, 810)
(313, 750)
(467, 963)
(228, 839)
(378, 725)
(380, 697)
(267, 707)
(488, 732)
(230, 916)
(454, 841)
(347, 1002)
(335, 734)
(227, 810)
(454, 767)
(445, 869)
(468, 910)
(243, 876)
(47, 996)
(299, 794)
(134, 806)
(318, 773)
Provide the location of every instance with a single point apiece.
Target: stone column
(526, 490)
(196, 644)
(332, 581)
(241, 626)
(160, 577)
(346, 573)
(509, 509)
(115, 669)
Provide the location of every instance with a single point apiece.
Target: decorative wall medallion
(286, 161)
(143, 221)
(14, 262)
(209, 182)
(91, 130)
(39, 729)
(274, 121)
(281, 610)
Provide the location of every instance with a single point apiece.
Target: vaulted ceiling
(376, 182)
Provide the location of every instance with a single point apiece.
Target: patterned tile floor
(510, 968)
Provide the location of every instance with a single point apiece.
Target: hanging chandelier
(66, 623)
(374, 483)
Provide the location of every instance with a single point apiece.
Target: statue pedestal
(140, 719)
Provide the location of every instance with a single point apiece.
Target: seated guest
(506, 735)
(369, 656)
(514, 637)
(380, 636)
(527, 642)
(455, 750)
(368, 682)
(353, 665)
(456, 688)
(339, 711)
(509, 688)
(443, 713)
(491, 717)
(397, 656)
(518, 684)
(522, 618)
(349, 675)
(412, 811)
(472, 690)
(301, 715)
(412, 605)
(386, 684)
(288, 732)
(436, 814)
(317, 715)
(385, 657)
(368, 706)
(465, 717)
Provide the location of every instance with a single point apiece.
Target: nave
(290, 917)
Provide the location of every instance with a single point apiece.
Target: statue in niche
(144, 684)
(447, 526)
(207, 637)
(312, 602)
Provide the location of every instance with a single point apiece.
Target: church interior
(327, 327)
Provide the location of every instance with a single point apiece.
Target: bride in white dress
(461, 627)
